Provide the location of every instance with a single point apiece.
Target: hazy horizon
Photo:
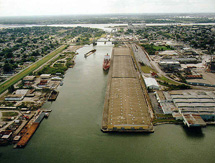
(106, 7)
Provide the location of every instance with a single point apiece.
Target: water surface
(72, 131)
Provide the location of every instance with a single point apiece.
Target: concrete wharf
(126, 107)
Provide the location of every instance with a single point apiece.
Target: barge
(24, 140)
(89, 53)
(53, 95)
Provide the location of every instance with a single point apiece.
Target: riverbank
(36, 89)
(4, 86)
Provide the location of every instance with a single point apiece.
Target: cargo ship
(24, 140)
(89, 53)
(53, 95)
(106, 63)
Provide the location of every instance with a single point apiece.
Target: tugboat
(106, 63)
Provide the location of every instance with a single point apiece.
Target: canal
(72, 131)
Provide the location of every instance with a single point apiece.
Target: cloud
(58, 7)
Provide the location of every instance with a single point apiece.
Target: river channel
(72, 131)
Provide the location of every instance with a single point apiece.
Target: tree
(7, 67)
(11, 89)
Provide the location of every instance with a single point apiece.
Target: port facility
(125, 108)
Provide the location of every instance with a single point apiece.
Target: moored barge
(53, 95)
(24, 140)
(89, 53)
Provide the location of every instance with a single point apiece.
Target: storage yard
(125, 108)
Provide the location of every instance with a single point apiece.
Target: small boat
(48, 110)
(61, 83)
(106, 63)
(46, 115)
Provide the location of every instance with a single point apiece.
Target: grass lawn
(160, 48)
(163, 78)
(9, 114)
(147, 69)
(4, 86)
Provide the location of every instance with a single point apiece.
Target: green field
(163, 78)
(147, 69)
(4, 86)
(161, 48)
(9, 114)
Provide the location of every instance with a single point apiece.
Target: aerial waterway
(72, 131)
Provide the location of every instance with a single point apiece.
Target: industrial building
(211, 65)
(29, 78)
(14, 98)
(18, 95)
(151, 83)
(165, 102)
(45, 76)
(168, 53)
(187, 60)
(193, 107)
(169, 65)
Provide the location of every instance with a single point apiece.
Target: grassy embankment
(147, 69)
(164, 79)
(4, 86)
(53, 67)
(171, 84)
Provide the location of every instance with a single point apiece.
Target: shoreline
(26, 123)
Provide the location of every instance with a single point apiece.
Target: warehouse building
(168, 53)
(168, 63)
(151, 83)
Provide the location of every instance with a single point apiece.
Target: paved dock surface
(125, 107)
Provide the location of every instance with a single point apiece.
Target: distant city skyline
(77, 7)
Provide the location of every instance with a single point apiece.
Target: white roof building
(151, 83)
(45, 76)
(21, 91)
(56, 78)
(168, 53)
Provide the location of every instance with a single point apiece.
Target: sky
(79, 7)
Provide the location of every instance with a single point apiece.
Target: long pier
(125, 107)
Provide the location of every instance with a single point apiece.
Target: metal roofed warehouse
(151, 83)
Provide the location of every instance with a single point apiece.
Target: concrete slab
(121, 51)
(127, 105)
(123, 67)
